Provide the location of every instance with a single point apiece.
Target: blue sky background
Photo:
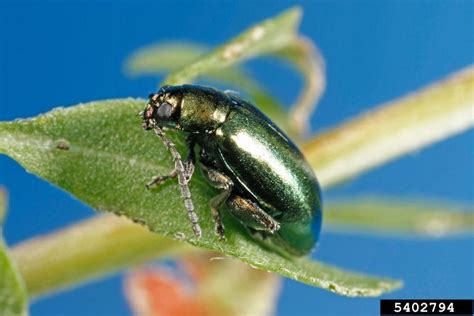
(59, 53)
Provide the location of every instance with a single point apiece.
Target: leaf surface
(100, 153)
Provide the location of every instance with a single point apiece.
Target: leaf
(268, 36)
(100, 154)
(405, 218)
(393, 129)
(13, 300)
(166, 57)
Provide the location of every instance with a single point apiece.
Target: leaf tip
(382, 287)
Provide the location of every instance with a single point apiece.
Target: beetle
(262, 176)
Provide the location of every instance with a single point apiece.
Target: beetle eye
(165, 110)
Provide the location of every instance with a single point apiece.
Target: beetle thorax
(202, 114)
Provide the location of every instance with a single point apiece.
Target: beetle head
(162, 110)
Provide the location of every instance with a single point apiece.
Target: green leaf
(163, 57)
(266, 37)
(13, 299)
(166, 57)
(395, 216)
(100, 154)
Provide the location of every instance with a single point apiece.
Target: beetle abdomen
(268, 166)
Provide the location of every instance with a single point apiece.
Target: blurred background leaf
(164, 58)
(275, 37)
(88, 249)
(13, 298)
(391, 130)
(265, 37)
(404, 218)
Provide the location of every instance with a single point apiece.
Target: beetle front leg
(188, 167)
(251, 215)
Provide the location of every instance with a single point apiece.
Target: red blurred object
(153, 292)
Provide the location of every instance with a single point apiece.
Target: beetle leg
(157, 180)
(188, 167)
(191, 158)
(182, 180)
(251, 215)
(219, 181)
(216, 202)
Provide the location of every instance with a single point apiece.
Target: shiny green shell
(262, 161)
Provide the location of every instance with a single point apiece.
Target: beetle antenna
(182, 180)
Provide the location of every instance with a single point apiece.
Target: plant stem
(394, 129)
(91, 248)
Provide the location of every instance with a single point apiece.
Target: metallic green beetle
(263, 177)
